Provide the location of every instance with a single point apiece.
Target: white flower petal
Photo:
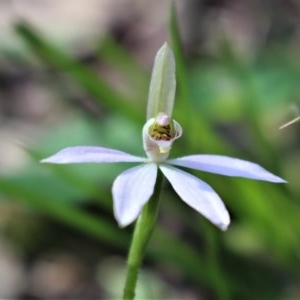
(131, 190)
(89, 154)
(199, 195)
(225, 165)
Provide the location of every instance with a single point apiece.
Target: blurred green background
(77, 73)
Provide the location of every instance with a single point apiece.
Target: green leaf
(83, 76)
(64, 212)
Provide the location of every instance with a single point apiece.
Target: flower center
(158, 136)
(160, 133)
(162, 129)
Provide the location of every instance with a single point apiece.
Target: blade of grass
(244, 76)
(174, 252)
(83, 76)
(192, 121)
(65, 213)
(110, 51)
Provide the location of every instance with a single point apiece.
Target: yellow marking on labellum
(161, 133)
(164, 150)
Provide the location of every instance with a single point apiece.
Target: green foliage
(226, 106)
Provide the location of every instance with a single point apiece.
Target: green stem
(141, 236)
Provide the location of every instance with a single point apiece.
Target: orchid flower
(133, 188)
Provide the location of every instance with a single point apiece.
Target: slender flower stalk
(142, 233)
(133, 188)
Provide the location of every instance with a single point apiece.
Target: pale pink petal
(199, 195)
(225, 165)
(131, 190)
(90, 154)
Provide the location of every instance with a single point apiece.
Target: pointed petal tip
(48, 160)
(90, 154)
(281, 180)
(199, 195)
(223, 227)
(123, 220)
(45, 160)
(273, 178)
(225, 165)
(54, 159)
(131, 191)
(225, 222)
(121, 224)
(164, 45)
